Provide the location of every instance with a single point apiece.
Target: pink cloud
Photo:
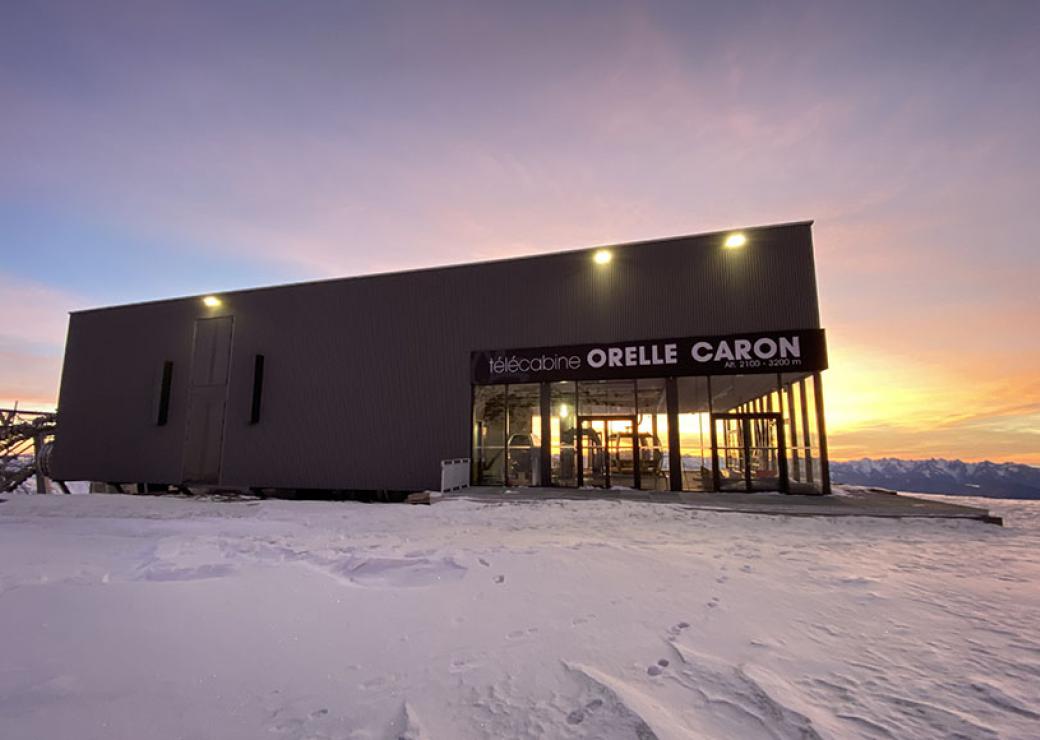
(35, 313)
(918, 165)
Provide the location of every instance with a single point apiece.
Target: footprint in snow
(578, 715)
(713, 603)
(517, 634)
(288, 725)
(374, 683)
(295, 726)
(658, 668)
(499, 579)
(483, 562)
(419, 553)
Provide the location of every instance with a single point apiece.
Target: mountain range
(954, 477)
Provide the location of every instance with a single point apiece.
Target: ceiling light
(735, 241)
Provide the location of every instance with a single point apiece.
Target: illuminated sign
(736, 354)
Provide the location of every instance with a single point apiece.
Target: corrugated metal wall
(367, 379)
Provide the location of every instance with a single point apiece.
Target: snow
(146, 617)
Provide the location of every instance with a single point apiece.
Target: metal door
(207, 398)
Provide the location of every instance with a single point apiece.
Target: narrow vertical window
(162, 412)
(258, 389)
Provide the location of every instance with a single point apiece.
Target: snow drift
(131, 617)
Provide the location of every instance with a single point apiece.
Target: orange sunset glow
(136, 169)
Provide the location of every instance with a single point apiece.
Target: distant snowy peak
(997, 480)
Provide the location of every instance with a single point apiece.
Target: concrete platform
(844, 502)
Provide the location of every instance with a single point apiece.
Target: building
(688, 363)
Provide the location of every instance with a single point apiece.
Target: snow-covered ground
(142, 617)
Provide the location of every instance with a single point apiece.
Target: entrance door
(207, 395)
(748, 452)
(608, 452)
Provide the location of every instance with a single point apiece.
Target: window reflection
(523, 426)
(734, 432)
(563, 426)
(489, 435)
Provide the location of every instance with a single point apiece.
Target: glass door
(765, 453)
(730, 454)
(621, 453)
(608, 452)
(592, 468)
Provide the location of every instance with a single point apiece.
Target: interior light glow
(564, 411)
(602, 256)
(211, 301)
(735, 241)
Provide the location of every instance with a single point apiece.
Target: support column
(545, 457)
(716, 477)
(825, 465)
(745, 424)
(579, 450)
(806, 436)
(675, 471)
(41, 480)
(476, 465)
(781, 435)
(505, 437)
(795, 460)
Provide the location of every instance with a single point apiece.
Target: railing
(454, 474)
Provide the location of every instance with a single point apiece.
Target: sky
(157, 149)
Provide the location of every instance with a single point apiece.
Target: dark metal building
(689, 363)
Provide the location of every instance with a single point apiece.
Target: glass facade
(563, 430)
(759, 432)
(524, 435)
(607, 443)
(506, 435)
(694, 437)
(801, 423)
(489, 435)
(652, 426)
